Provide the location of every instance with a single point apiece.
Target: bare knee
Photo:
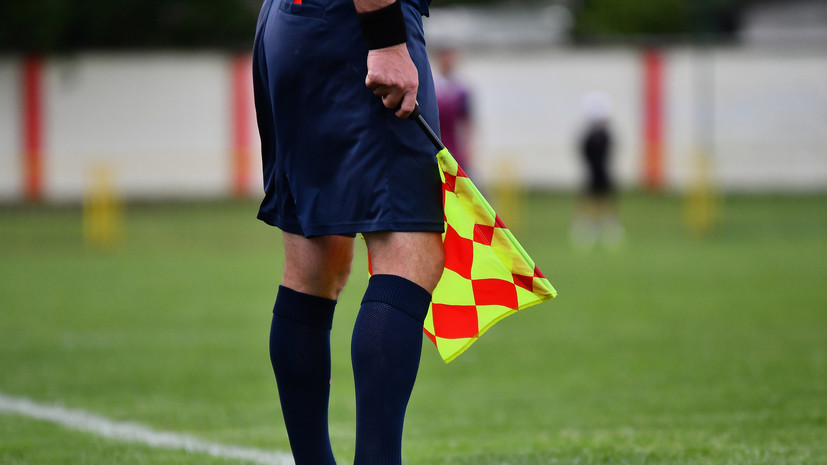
(416, 256)
(318, 266)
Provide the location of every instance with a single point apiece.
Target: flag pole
(416, 115)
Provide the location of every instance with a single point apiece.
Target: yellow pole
(508, 192)
(701, 210)
(102, 211)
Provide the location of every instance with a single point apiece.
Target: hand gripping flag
(487, 276)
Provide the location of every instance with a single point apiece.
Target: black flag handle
(416, 115)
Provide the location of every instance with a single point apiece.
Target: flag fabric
(487, 276)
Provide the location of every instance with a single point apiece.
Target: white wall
(159, 122)
(162, 121)
(765, 112)
(770, 120)
(529, 111)
(10, 179)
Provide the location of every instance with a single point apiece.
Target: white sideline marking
(134, 432)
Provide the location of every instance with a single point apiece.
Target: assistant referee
(334, 81)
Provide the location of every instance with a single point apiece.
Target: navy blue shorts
(335, 160)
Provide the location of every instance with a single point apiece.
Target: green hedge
(56, 26)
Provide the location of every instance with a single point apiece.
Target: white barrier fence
(761, 117)
(179, 124)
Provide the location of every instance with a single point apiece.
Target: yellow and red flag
(487, 276)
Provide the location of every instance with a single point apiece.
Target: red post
(32, 128)
(241, 120)
(653, 119)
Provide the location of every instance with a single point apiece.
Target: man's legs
(387, 338)
(319, 266)
(315, 272)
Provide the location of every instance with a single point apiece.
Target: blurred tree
(637, 17)
(616, 19)
(66, 25)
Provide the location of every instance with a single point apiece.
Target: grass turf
(673, 350)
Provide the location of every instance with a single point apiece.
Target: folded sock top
(310, 310)
(399, 292)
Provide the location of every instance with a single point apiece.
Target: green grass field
(673, 350)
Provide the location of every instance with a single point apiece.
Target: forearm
(392, 74)
(364, 6)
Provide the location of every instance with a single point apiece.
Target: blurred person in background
(454, 101)
(596, 218)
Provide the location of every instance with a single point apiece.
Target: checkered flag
(487, 276)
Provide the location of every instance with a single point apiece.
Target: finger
(372, 82)
(391, 100)
(407, 106)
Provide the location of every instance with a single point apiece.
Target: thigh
(416, 256)
(317, 266)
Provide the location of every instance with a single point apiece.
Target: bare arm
(392, 74)
(363, 6)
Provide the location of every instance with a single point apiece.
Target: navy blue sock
(300, 354)
(385, 350)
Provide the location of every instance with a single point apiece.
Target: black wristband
(384, 27)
